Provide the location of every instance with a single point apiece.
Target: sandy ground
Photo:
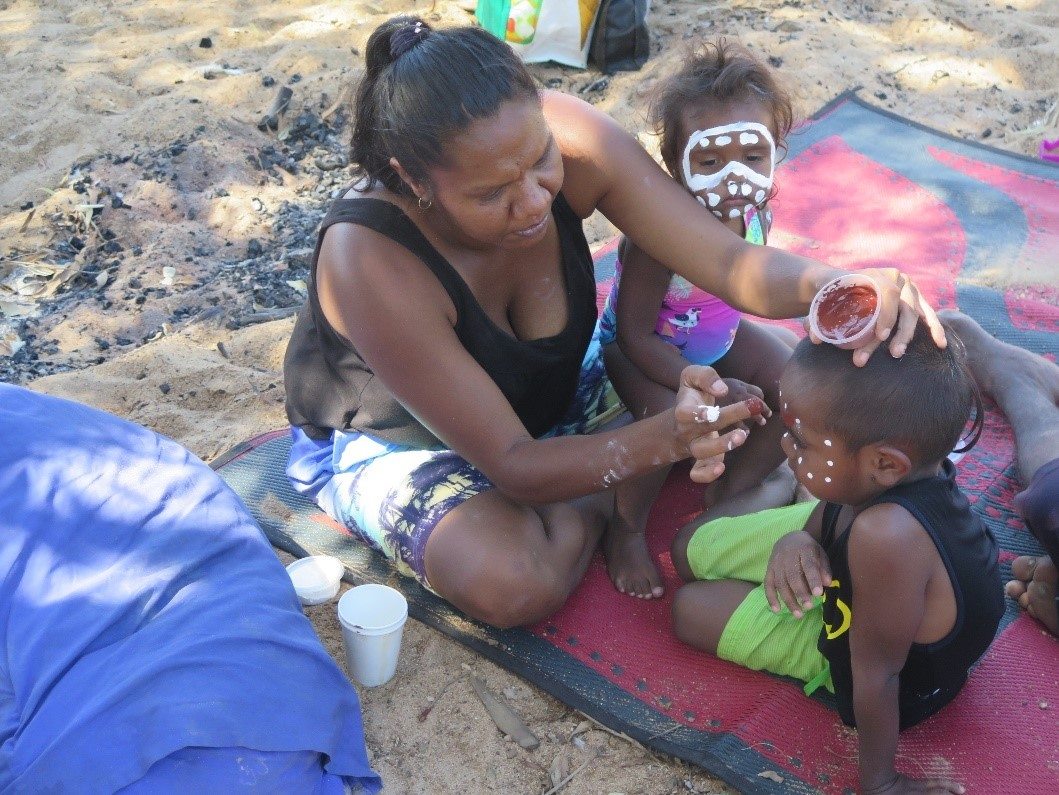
(148, 228)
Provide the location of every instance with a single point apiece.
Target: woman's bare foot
(1034, 588)
(629, 563)
(991, 360)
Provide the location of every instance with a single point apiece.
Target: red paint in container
(845, 310)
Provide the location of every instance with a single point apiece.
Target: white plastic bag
(542, 30)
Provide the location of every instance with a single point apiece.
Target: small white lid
(316, 579)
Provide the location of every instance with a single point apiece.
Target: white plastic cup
(851, 341)
(372, 618)
(316, 578)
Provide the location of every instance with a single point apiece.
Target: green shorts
(738, 548)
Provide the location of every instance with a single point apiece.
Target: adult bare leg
(509, 564)
(1026, 388)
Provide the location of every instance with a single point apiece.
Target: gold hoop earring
(424, 205)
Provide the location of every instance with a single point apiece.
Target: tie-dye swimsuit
(700, 325)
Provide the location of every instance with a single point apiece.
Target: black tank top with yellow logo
(933, 673)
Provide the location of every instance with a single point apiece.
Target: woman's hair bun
(406, 37)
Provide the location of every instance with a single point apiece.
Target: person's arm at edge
(370, 286)
(640, 295)
(607, 169)
(890, 563)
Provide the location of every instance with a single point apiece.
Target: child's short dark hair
(720, 72)
(920, 402)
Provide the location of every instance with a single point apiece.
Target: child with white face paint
(888, 589)
(722, 118)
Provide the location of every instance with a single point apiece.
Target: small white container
(862, 336)
(316, 578)
(372, 618)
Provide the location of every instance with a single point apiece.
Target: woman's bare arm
(608, 170)
(399, 318)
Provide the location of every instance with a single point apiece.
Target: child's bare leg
(702, 609)
(757, 357)
(629, 562)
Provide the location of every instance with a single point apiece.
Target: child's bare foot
(991, 360)
(630, 566)
(1035, 589)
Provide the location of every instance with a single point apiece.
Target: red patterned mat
(861, 187)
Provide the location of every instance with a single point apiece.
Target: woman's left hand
(901, 305)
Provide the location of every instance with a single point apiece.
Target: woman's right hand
(699, 421)
(797, 571)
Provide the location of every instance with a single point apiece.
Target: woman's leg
(757, 357)
(509, 564)
(1026, 388)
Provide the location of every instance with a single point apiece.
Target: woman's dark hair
(420, 86)
(717, 72)
(920, 402)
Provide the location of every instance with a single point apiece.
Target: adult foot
(991, 360)
(1034, 588)
(629, 563)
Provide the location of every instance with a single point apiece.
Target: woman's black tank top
(329, 386)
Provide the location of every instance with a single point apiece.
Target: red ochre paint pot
(845, 310)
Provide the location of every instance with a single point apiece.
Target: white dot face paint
(734, 213)
(701, 200)
(745, 189)
(722, 136)
(759, 196)
(718, 213)
(809, 475)
(799, 460)
(827, 442)
(830, 463)
(732, 188)
(713, 199)
(827, 480)
(747, 208)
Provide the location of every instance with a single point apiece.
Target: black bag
(620, 41)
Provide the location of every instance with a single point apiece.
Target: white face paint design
(713, 198)
(809, 475)
(698, 183)
(830, 463)
(827, 480)
(734, 213)
(827, 442)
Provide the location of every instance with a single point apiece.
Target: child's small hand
(741, 390)
(797, 571)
